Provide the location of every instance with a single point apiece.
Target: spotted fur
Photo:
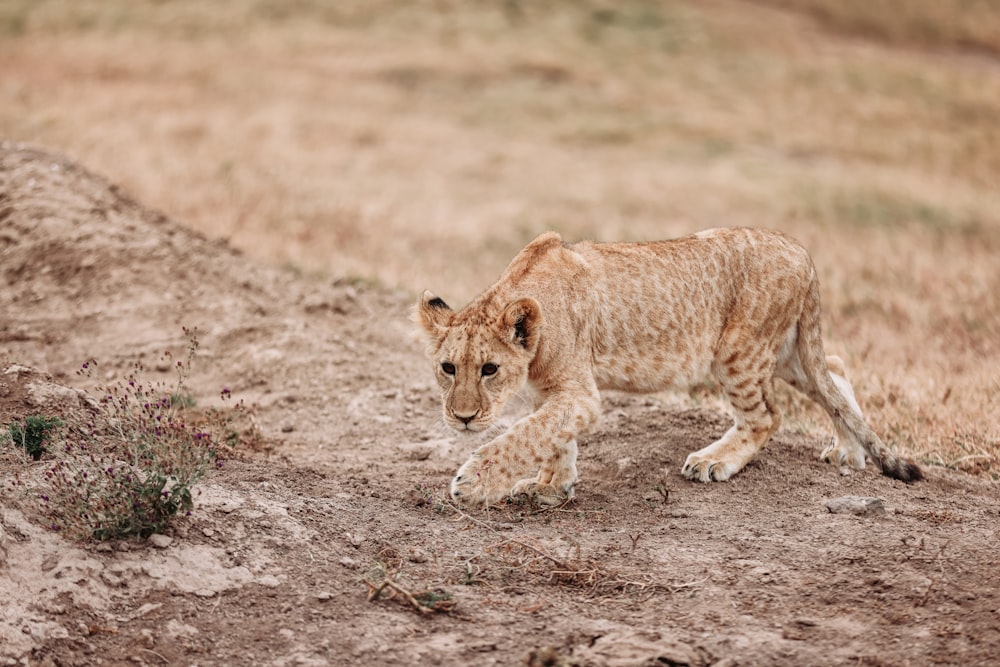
(740, 305)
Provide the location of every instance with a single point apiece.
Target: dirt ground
(642, 568)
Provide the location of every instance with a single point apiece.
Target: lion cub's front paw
(707, 468)
(479, 482)
(543, 494)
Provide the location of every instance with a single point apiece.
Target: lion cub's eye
(489, 369)
(448, 368)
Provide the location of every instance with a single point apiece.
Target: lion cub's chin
(469, 429)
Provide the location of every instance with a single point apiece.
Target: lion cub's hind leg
(745, 376)
(845, 450)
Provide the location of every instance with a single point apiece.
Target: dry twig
(426, 602)
(494, 526)
(577, 571)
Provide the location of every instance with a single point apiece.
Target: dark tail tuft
(902, 469)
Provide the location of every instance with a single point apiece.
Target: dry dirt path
(642, 568)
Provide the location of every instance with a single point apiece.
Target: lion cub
(574, 318)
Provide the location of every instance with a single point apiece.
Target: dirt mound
(80, 258)
(279, 559)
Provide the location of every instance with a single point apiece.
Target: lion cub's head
(481, 355)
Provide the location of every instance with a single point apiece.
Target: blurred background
(420, 143)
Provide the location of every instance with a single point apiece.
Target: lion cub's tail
(832, 391)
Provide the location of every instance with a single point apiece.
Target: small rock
(418, 452)
(43, 632)
(41, 394)
(176, 628)
(349, 563)
(858, 505)
(622, 648)
(799, 629)
(112, 579)
(160, 541)
(144, 609)
(416, 555)
(546, 655)
(269, 580)
(323, 596)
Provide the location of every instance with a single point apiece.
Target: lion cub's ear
(521, 324)
(432, 314)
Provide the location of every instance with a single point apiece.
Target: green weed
(33, 433)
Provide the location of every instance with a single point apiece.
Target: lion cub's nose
(465, 419)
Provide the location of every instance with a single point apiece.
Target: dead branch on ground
(426, 602)
(578, 571)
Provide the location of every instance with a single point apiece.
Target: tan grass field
(420, 144)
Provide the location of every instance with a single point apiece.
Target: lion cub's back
(711, 266)
(658, 308)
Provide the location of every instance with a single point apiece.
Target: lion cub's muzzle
(474, 422)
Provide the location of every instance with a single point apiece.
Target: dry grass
(421, 144)
(967, 25)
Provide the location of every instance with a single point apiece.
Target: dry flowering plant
(127, 464)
